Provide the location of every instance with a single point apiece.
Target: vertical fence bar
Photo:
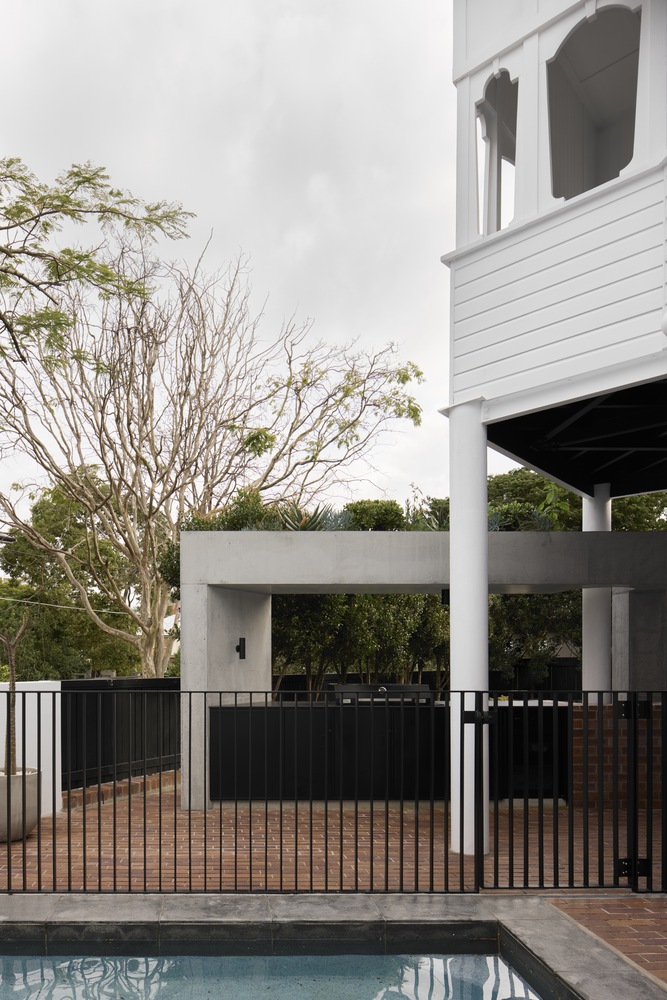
(649, 791)
(311, 758)
(189, 822)
(220, 793)
(69, 791)
(462, 817)
(160, 756)
(401, 804)
(495, 740)
(84, 782)
(281, 758)
(526, 790)
(447, 791)
(431, 794)
(555, 778)
(632, 818)
(99, 789)
(250, 791)
(388, 728)
(24, 835)
(479, 803)
(615, 785)
(145, 783)
(663, 791)
(371, 793)
(416, 802)
(510, 790)
(570, 791)
(356, 793)
(55, 735)
(206, 767)
(540, 790)
(235, 759)
(295, 719)
(113, 695)
(600, 785)
(585, 799)
(326, 792)
(267, 696)
(38, 737)
(340, 791)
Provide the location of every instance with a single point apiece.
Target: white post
(596, 603)
(469, 606)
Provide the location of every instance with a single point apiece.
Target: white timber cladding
(580, 289)
(569, 298)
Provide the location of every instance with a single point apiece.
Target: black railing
(348, 791)
(115, 728)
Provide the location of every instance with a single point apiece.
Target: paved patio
(148, 844)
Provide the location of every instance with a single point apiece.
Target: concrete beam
(418, 562)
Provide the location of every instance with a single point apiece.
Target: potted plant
(19, 787)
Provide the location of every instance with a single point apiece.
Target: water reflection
(350, 977)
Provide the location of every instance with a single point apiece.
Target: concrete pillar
(469, 605)
(639, 647)
(596, 603)
(213, 620)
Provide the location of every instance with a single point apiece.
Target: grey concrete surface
(544, 945)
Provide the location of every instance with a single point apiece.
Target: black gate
(580, 801)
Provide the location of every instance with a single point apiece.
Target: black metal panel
(115, 728)
(351, 751)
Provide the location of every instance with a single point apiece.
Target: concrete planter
(16, 823)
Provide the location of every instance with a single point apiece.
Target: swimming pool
(304, 977)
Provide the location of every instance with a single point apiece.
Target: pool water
(337, 977)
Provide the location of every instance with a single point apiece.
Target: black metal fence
(350, 791)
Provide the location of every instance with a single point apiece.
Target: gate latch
(476, 716)
(626, 868)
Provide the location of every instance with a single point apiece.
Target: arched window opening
(496, 151)
(592, 102)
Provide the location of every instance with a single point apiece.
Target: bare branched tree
(166, 405)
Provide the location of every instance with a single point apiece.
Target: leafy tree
(34, 267)
(375, 515)
(164, 406)
(647, 512)
(62, 640)
(304, 633)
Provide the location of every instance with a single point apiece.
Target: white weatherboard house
(558, 359)
(559, 322)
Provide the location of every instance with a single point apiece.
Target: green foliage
(532, 628)
(61, 640)
(647, 512)
(296, 518)
(521, 500)
(375, 515)
(33, 265)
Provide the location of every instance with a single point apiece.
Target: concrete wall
(41, 700)
(639, 640)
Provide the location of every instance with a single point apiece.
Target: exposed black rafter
(618, 437)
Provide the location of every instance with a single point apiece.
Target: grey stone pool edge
(559, 959)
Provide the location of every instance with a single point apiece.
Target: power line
(63, 607)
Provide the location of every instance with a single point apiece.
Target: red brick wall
(600, 756)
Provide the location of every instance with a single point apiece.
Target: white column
(469, 604)
(596, 603)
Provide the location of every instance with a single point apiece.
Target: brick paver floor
(634, 925)
(146, 842)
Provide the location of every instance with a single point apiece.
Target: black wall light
(240, 649)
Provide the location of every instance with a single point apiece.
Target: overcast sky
(315, 135)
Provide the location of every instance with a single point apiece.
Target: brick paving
(131, 841)
(634, 925)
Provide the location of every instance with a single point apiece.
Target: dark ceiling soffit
(618, 438)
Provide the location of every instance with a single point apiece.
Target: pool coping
(548, 948)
